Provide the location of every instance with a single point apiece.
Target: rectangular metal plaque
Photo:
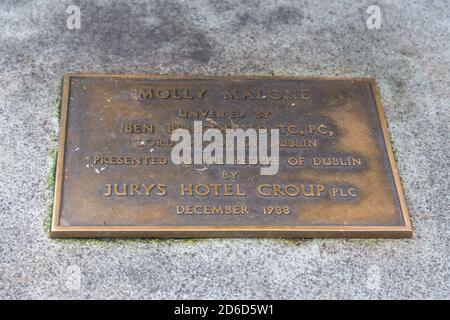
(115, 175)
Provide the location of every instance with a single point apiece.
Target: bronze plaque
(115, 175)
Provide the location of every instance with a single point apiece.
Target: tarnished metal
(115, 177)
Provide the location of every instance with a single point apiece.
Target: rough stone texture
(409, 55)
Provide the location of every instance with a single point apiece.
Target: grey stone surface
(409, 55)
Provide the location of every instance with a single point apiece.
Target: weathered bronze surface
(115, 177)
